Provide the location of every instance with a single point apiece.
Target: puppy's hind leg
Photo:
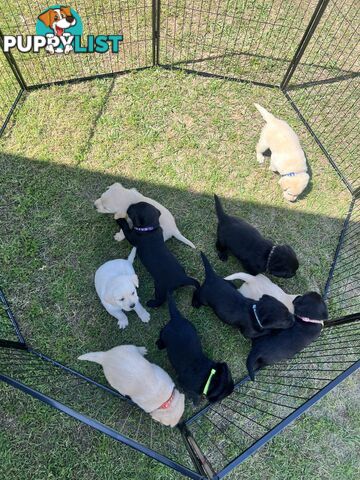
(261, 147)
(142, 350)
(196, 299)
(222, 251)
(160, 298)
(160, 342)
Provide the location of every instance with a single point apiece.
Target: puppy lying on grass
(255, 286)
(311, 311)
(115, 284)
(256, 253)
(197, 374)
(117, 199)
(287, 156)
(147, 237)
(148, 385)
(252, 318)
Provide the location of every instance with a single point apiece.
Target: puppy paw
(142, 350)
(223, 256)
(123, 323)
(145, 317)
(152, 303)
(119, 236)
(260, 158)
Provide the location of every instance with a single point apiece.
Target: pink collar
(309, 320)
(167, 404)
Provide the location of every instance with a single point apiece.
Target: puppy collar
(167, 404)
(144, 229)
(269, 258)
(256, 316)
(310, 320)
(292, 174)
(207, 384)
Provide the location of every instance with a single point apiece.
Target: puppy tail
(218, 207)
(246, 277)
(209, 271)
(251, 364)
(267, 116)
(183, 239)
(97, 357)
(173, 310)
(131, 257)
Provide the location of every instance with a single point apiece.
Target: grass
(179, 139)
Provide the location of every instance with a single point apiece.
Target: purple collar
(145, 229)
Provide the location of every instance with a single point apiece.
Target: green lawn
(179, 139)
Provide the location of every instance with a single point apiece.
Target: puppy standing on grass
(197, 374)
(147, 236)
(310, 313)
(117, 199)
(256, 253)
(254, 319)
(255, 286)
(287, 156)
(148, 385)
(115, 284)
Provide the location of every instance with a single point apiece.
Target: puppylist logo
(59, 30)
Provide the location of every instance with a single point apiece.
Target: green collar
(207, 384)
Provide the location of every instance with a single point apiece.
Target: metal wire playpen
(310, 52)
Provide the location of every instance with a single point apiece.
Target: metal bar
(101, 428)
(342, 321)
(289, 419)
(314, 21)
(11, 317)
(323, 149)
(11, 111)
(11, 344)
(12, 63)
(198, 458)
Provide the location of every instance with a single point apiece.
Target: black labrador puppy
(197, 374)
(310, 313)
(147, 237)
(256, 253)
(253, 318)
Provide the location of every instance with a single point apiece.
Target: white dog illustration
(58, 19)
(256, 286)
(115, 284)
(117, 199)
(287, 156)
(148, 385)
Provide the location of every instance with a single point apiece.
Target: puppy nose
(132, 305)
(94, 205)
(70, 19)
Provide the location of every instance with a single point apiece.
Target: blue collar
(256, 316)
(292, 174)
(145, 229)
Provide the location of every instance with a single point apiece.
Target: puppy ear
(109, 298)
(284, 183)
(47, 17)
(66, 10)
(135, 280)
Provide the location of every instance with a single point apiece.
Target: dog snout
(70, 18)
(132, 305)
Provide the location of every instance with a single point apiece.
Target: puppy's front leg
(142, 313)
(160, 297)
(222, 251)
(196, 300)
(128, 233)
(119, 236)
(260, 148)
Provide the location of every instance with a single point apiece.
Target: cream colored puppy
(287, 156)
(148, 385)
(255, 286)
(115, 284)
(117, 199)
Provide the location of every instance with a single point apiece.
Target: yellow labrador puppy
(148, 385)
(280, 141)
(117, 199)
(255, 286)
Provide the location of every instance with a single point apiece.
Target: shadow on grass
(53, 241)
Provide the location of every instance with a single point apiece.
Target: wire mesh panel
(99, 403)
(325, 86)
(228, 429)
(10, 90)
(344, 281)
(130, 18)
(247, 39)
